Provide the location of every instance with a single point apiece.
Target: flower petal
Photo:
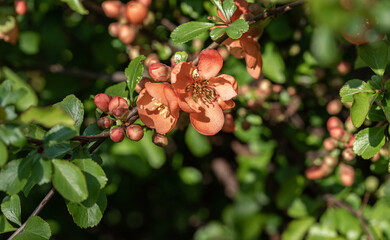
(225, 105)
(234, 47)
(251, 48)
(210, 63)
(210, 120)
(256, 70)
(145, 102)
(156, 90)
(225, 86)
(172, 101)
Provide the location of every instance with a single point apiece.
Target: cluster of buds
(129, 18)
(11, 35)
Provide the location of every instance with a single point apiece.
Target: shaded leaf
(36, 229)
(5, 226)
(12, 135)
(276, 71)
(134, 74)
(13, 177)
(3, 154)
(375, 55)
(59, 134)
(75, 108)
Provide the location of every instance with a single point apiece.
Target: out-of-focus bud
(344, 67)
(135, 132)
(330, 161)
(113, 29)
(334, 107)
(351, 141)
(117, 134)
(371, 183)
(136, 12)
(246, 125)
(20, 7)
(104, 122)
(277, 88)
(329, 144)
(291, 91)
(127, 33)
(11, 36)
(117, 102)
(348, 154)
(229, 126)
(314, 172)
(159, 72)
(337, 133)
(349, 125)
(145, 2)
(264, 89)
(121, 113)
(347, 174)
(375, 157)
(160, 140)
(102, 101)
(150, 59)
(141, 84)
(334, 122)
(113, 8)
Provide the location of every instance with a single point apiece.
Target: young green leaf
(375, 55)
(217, 32)
(180, 57)
(36, 229)
(11, 208)
(47, 117)
(219, 6)
(353, 87)
(134, 74)
(5, 226)
(118, 89)
(76, 6)
(237, 28)
(360, 107)
(187, 31)
(229, 8)
(69, 181)
(75, 108)
(369, 141)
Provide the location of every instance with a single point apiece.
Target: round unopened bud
(127, 33)
(159, 72)
(102, 101)
(334, 107)
(246, 125)
(135, 132)
(117, 134)
(314, 172)
(104, 122)
(113, 29)
(351, 141)
(375, 157)
(334, 122)
(329, 144)
(371, 183)
(344, 67)
(20, 7)
(292, 91)
(337, 133)
(349, 125)
(145, 2)
(229, 126)
(347, 174)
(348, 154)
(117, 102)
(264, 88)
(160, 140)
(113, 8)
(141, 84)
(277, 88)
(151, 58)
(330, 161)
(121, 113)
(136, 12)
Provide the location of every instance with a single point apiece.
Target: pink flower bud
(121, 113)
(102, 101)
(150, 59)
(127, 33)
(347, 174)
(314, 172)
(334, 107)
(104, 122)
(348, 154)
(145, 2)
(113, 9)
(330, 161)
(160, 140)
(117, 102)
(117, 134)
(20, 7)
(229, 125)
(337, 133)
(159, 72)
(136, 12)
(375, 157)
(113, 29)
(135, 132)
(333, 122)
(329, 144)
(351, 141)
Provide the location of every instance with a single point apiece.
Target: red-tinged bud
(141, 84)
(314, 172)
(330, 161)
(329, 144)
(145, 2)
(348, 154)
(264, 88)
(246, 125)
(277, 88)
(344, 67)
(347, 174)
(160, 140)
(337, 133)
(136, 12)
(113, 8)
(159, 72)
(104, 122)
(375, 157)
(127, 33)
(150, 59)
(113, 29)
(102, 101)
(121, 113)
(117, 134)
(349, 125)
(20, 7)
(334, 107)
(229, 126)
(135, 132)
(291, 91)
(351, 141)
(334, 122)
(117, 102)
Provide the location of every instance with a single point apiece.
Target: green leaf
(376, 114)
(13, 177)
(360, 107)
(219, 6)
(291, 188)
(7, 22)
(229, 8)
(88, 214)
(118, 89)
(375, 55)
(180, 57)
(190, 175)
(76, 6)
(11, 208)
(3, 154)
(134, 74)
(369, 141)
(197, 143)
(59, 134)
(237, 28)
(386, 106)
(9, 96)
(36, 229)
(12, 135)
(375, 82)
(187, 31)
(47, 117)
(5, 226)
(297, 229)
(58, 151)
(69, 181)
(324, 46)
(276, 71)
(217, 32)
(348, 224)
(353, 87)
(75, 108)
(41, 172)
(29, 42)
(92, 129)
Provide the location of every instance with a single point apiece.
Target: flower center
(200, 89)
(161, 107)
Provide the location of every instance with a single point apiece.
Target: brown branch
(336, 202)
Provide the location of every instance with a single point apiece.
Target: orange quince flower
(158, 107)
(203, 94)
